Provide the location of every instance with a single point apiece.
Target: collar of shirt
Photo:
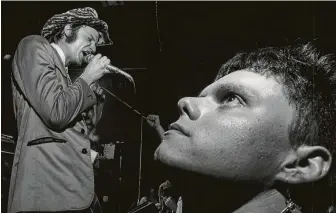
(60, 53)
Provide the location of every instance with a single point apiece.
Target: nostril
(183, 110)
(186, 110)
(181, 105)
(188, 106)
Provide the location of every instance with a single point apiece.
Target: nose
(188, 106)
(93, 47)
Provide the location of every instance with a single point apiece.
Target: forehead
(247, 81)
(90, 31)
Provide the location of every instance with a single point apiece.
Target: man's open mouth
(85, 53)
(85, 58)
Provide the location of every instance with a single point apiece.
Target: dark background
(193, 40)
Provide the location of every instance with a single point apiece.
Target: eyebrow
(231, 87)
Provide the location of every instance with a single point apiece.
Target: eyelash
(90, 39)
(221, 100)
(231, 95)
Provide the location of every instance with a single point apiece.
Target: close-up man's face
(86, 42)
(236, 129)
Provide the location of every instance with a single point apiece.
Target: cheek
(225, 133)
(237, 146)
(273, 127)
(78, 45)
(222, 141)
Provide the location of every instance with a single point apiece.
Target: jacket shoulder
(33, 40)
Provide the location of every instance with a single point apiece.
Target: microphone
(111, 68)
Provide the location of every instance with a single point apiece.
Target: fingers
(96, 57)
(150, 121)
(152, 116)
(153, 120)
(96, 69)
(103, 61)
(100, 61)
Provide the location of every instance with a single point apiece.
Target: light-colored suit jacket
(52, 169)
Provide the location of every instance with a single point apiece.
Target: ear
(305, 164)
(67, 30)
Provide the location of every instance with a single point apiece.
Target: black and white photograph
(168, 106)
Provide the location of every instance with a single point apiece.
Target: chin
(168, 165)
(168, 156)
(160, 154)
(156, 154)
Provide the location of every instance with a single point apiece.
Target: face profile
(86, 41)
(259, 138)
(243, 112)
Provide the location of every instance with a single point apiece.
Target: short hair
(60, 34)
(309, 83)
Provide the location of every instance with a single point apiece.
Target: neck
(64, 48)
(201, 194)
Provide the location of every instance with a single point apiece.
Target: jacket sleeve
(55, 105)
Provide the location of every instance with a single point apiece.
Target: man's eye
(231, 99)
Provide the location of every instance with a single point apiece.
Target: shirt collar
(60, 52)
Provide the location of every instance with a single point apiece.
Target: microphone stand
(140, 160)
(142, 117)
(123, 102)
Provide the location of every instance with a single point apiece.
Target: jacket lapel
(58, 63)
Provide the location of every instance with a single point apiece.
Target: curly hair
(60, 34)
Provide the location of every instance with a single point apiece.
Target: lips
(85, 53)
(178, 128)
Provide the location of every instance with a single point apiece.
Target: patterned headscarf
(86, 16)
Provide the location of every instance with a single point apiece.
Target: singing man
(56, 118)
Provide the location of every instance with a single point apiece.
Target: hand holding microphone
(95, 69)
(110, 68)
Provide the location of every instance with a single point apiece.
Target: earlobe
(305, 164)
